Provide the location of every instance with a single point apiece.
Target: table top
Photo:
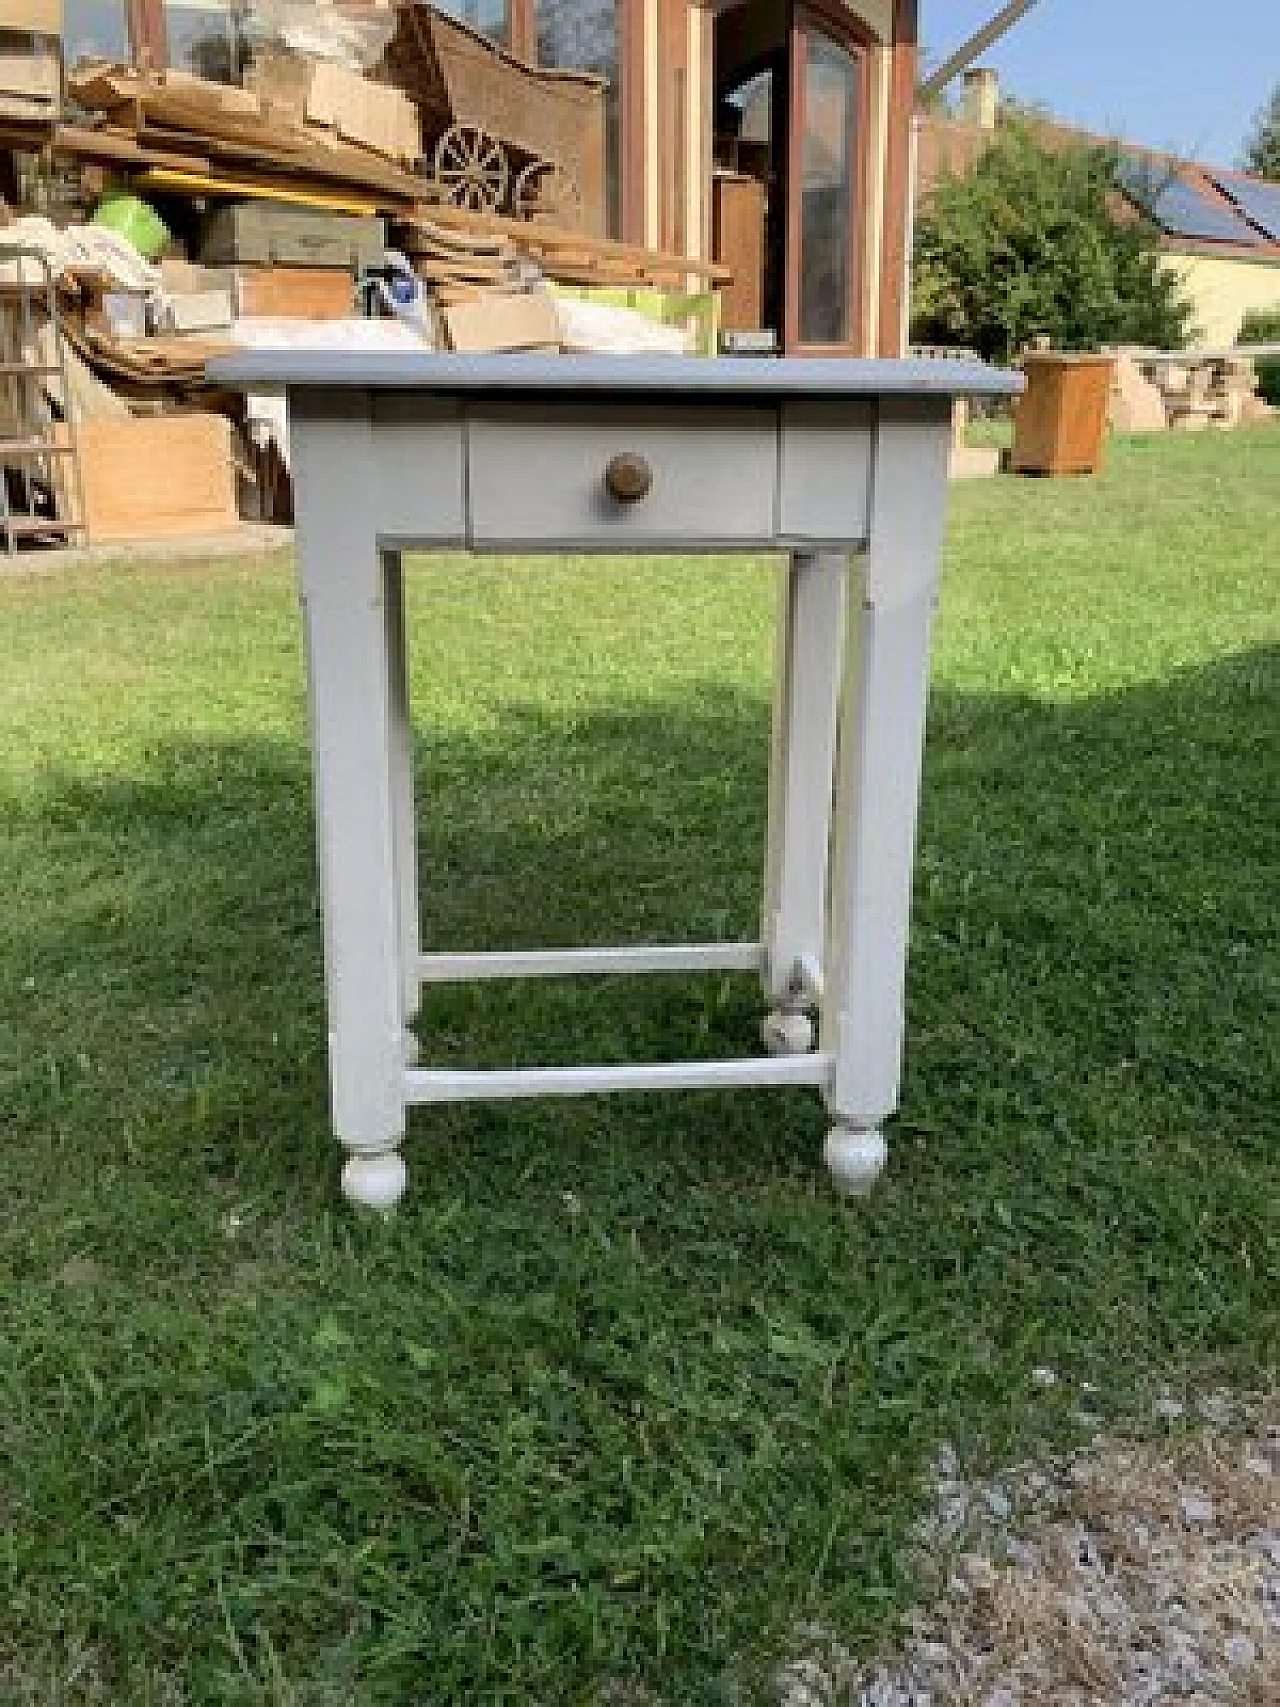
(740, 379)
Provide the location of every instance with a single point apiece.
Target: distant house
(1220, 229)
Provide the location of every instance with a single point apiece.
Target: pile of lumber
(155, 363)
(460, 264)
(177, 134)
(183, 132)
(568, 257)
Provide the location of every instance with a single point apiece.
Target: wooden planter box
(1061, 419)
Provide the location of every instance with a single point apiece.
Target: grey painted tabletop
(738, 378)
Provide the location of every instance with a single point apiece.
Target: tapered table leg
(350, 605)
(877, 789)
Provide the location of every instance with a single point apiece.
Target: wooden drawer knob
(628, 477)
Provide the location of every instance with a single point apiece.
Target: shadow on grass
(622, 1390)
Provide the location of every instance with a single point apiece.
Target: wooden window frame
(895, 234)
(832, 20)
(522, 29)
(148, 36)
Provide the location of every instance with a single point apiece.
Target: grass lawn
(623, 1394)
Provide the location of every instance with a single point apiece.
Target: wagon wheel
(471, 168)
(545, 191)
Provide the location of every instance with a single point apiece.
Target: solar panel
(1261, 202)
(1178, 208)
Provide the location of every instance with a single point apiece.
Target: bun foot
(855, 1158)
(375, 1180)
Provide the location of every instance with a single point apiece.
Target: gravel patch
(1136, 1574)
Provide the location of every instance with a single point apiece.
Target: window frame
(838, 25)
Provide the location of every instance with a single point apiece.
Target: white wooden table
(842, 465)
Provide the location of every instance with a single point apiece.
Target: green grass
(622, 1393)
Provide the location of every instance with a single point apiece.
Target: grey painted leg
(806, 688)
(402, 806)
(345, 595)
(878, 785)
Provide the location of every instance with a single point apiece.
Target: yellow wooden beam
(197, 183)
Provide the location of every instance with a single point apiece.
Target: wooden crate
(267, 233)
(151, 476)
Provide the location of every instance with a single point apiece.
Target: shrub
(1262, 326)
(1041, 240)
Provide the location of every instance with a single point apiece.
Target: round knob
(628, 477)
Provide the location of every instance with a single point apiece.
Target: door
(825, 192)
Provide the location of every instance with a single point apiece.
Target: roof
(1206, 209)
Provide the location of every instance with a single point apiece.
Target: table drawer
(622, 479)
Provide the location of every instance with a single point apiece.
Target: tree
(1040, 240)
(1262, 151)
(1262, 326)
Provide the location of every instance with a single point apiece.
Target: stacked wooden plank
(153, 363)
(1184, 391)
(569, 257)
(210, 136)
(461, 264)
(1206, 394)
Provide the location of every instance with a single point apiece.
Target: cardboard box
(236, 102)
(374, 115)
(155, 475)
(320, 93)
(497, 322)
(185, 278)
(198, 311)
(39, 17)
(30, 77)
(294, 293)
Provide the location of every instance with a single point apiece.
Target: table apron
(533, 478)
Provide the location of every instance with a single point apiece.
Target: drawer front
(623, 478)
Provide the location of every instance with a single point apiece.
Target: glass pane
(829, 121)
(582, 35)
(752, 102)
(207, 39)
(95, 29)
(491, 18)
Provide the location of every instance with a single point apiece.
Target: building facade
(775, 134)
